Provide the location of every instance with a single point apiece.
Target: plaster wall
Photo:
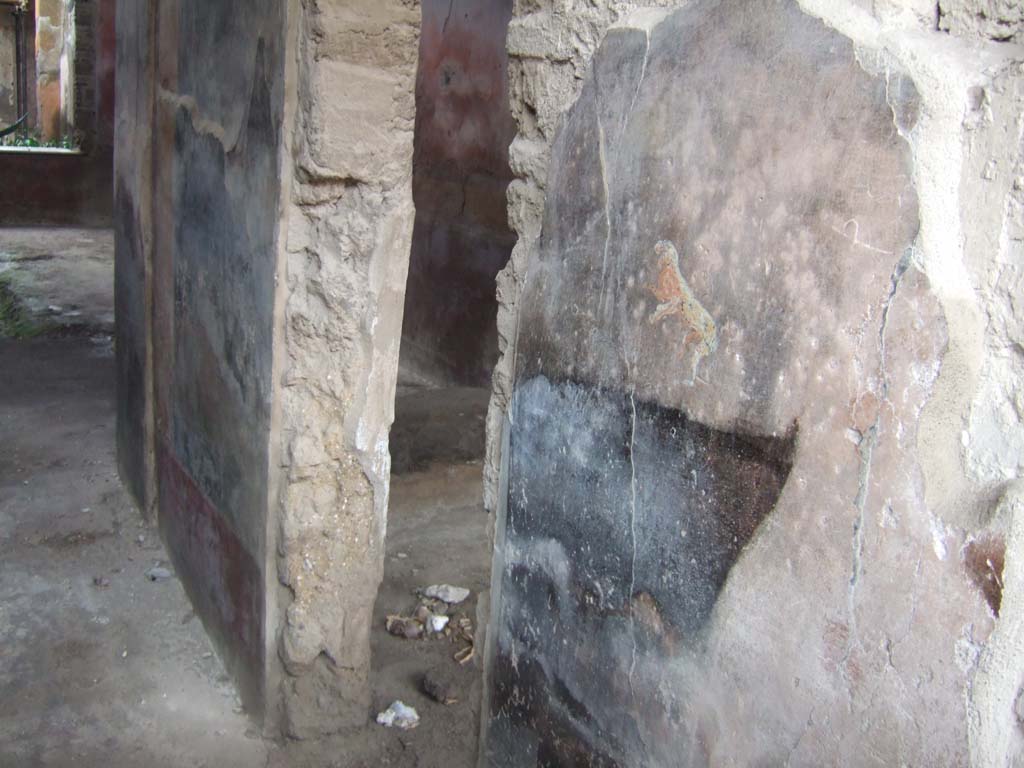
(268, 228)
(461, 237)
(952, 668)
(264, 224)
(133, 247)
(198, 199)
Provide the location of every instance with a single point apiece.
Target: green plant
(34, 139)
(16, 321)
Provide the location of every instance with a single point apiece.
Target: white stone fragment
(159, 573)
(399, 715)
(446, 593)
(438, 623)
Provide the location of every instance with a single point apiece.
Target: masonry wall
(461, 237)
(754, 443)
(344, 271)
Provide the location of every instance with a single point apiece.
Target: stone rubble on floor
(399, 715)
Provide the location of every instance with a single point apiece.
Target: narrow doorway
(438, 531)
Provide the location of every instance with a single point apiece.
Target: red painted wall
(461, 237)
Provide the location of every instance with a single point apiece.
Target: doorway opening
(438, 531)
(47, 74)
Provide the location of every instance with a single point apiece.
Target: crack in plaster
(640, 80)
(632, 505)
(632, 565)
(892, 643)
(796, 744)
(607, 208)
(866, 449)
(447, 18)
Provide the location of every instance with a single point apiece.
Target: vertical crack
(444, 27)
(632, 565)
(602, 159)
(640, 80)
(866, 449)
(632, 489)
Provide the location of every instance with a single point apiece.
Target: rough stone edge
(322, 660)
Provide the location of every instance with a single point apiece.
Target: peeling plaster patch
(984, 558)
(203, 126)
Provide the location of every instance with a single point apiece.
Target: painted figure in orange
(676, 297)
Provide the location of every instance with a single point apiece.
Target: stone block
(345, 135)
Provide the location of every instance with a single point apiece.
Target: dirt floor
(101, 666)
(63, 277)
(98, 664)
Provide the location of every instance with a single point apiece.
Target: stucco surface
(198, 196)
(787, 310)
(953, 420)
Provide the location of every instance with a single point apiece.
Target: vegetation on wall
(33, 139)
